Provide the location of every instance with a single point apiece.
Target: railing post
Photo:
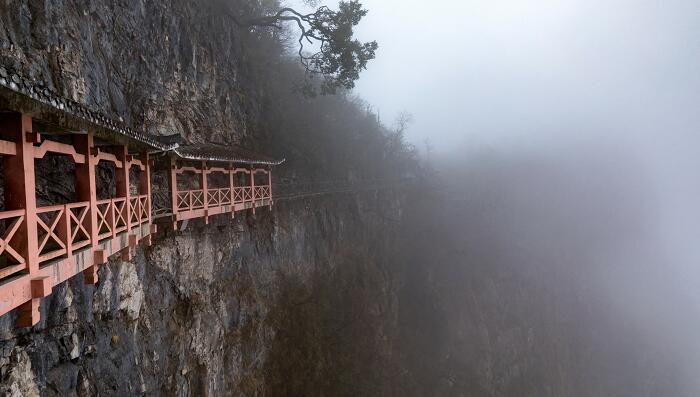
(172, 181)
(269, 187)
(145, 182)
(112, 221)
(205, 190)
(64, 232)
(124, 190)
(145, 188)
(252, 187)
(232, 188)
(85, 190)
(20, 193)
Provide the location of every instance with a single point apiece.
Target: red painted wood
(77, 237)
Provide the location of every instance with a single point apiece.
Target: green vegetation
(337, 135)
(337, 57)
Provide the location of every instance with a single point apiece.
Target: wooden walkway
(43, 246)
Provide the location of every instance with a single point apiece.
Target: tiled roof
(13, 84)
(38, 92)
(214, 152)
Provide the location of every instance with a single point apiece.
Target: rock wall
(291, 301)
(167, 66)
(233, 308)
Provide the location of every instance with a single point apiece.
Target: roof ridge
(14, 81)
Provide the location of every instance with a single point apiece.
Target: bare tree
(403, 121)
(338, 58)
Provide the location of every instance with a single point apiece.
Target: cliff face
(238, 307)
(294, 300)
(168, 67)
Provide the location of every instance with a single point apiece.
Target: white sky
(485, 70)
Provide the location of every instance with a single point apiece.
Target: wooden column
(269, 187)
(232, 187)
(172, 182)
(86, 190)
(252, 187)
(205, 186)
(123, 190)
(145, 188)
(20, 193)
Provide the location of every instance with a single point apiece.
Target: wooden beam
(217, 169)
(85, 185)
(104, 156)
(232, 186)
(20, 194)
(137, 162)
(122, 179)
(172, 182)
(188, 169)
(205, 189)
(8, 148)
(145, 182)
(252, 188)
(57, 147)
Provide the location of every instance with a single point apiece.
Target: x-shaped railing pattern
(218, 197)
(47, 223)
(138, 209)
(262, 192)
(111, 217)
(77, 216)
(144, 207)
(119, 215)
(242, 194)
(60, 228)
(14, 220)
(190, 199)
(105, 218)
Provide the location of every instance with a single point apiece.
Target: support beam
(205, 189)
(252, 187)
(90, 276)
(172, 182)
(20, 188)
(20, 194)
(145, 182)
(86, 190)
(8, 148)
(269, 187)
(232, 188)
(104, 156)
(122, 179)
(28, 313)
(60, 148)
(85, 185)
(41, 287)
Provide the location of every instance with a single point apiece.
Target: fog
(566, 135)
(504, 71)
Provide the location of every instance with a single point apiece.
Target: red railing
(62, 229)
(138, 209)
(111, 217)
(242, 194)
(262, 192)
(11, 261)
(190, 200)
(218, 197)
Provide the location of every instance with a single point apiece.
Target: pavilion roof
(228, 153)
(35, 98)
(18, 92)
